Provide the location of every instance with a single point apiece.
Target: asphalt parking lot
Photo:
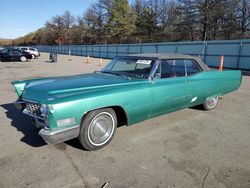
(188, 148)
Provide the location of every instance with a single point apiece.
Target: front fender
(19, 87)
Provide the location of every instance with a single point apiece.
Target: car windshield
(130, 67)
(5, 50)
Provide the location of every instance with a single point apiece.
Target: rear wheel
(211, 102)
(98, 128)
(23, 58)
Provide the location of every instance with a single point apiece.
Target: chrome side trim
(26, 100)
(58, 136)
(19, 101)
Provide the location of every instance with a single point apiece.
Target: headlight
(44, 110)
(51, 109)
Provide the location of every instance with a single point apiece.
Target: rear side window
(33, 49)
(191, 67)
(24, 48)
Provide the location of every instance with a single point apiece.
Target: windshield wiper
(117, 74)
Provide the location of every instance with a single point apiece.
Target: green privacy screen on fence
(236, 52)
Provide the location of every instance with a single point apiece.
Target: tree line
(118, 21)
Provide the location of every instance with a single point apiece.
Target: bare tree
(244, 15)
(117, 21)
(55, 30)
(68, 21)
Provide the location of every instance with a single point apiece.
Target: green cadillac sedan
(128, 90)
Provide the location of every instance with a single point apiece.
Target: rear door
(172, 90)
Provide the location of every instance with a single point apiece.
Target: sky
(20, 17)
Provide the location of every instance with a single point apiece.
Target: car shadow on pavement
(75, 143)
(23, 123)
(198, 107)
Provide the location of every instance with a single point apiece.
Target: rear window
(33, 49)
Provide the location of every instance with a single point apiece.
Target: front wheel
(23, 58)
(211, 102)
(98, 128)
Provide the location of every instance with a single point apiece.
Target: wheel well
(120, 114)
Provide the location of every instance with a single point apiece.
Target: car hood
(49, 89)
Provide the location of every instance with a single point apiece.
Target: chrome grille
(33, 108)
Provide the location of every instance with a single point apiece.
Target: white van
(33, 51)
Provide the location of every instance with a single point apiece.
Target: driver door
(172, 90)
(14, 54)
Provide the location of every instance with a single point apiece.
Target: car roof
(172, 56)
(28, 47)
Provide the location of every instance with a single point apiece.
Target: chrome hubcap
(211, 102)
(101, 128)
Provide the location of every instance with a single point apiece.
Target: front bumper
(49, 136)
(58, 136)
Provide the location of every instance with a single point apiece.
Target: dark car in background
(11, 54)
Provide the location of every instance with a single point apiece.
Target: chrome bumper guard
(39, 123)
(58, 136)
(20, 105)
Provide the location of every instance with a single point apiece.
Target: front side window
(177, 68)
(134, 67)
(172, 68)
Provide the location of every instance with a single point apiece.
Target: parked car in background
(12, 54)
(33, 51)
(128, 90)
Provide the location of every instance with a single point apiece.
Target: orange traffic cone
(221, 62)
(100, 62)
(69, 58)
